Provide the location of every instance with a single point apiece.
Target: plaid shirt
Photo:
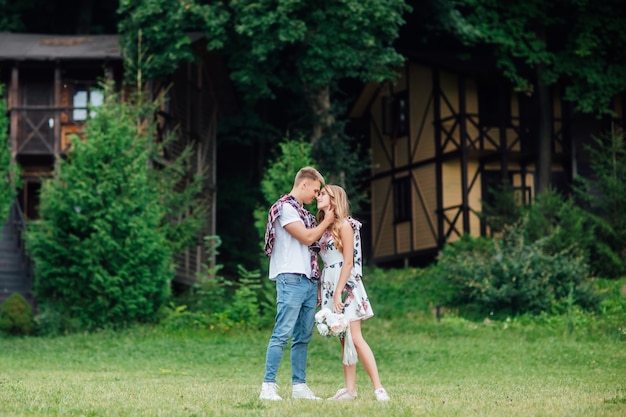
(309, 222)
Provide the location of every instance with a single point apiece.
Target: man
(291, 244)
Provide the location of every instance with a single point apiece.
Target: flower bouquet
(331, 324)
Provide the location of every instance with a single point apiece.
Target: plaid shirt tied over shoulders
(309, 222)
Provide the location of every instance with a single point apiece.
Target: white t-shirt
(288, 254)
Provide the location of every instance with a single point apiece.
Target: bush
(215, 301)
(16, 316)
(512, 276)
(402, 292)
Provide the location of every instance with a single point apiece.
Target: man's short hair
(308, 173)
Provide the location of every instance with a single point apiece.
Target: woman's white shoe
(343, 394)
(381, 395)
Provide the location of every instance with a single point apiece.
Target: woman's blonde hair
(339, 202)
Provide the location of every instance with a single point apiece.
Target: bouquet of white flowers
(333, 324)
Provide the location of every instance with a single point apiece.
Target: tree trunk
(323, 119)
(544, 134)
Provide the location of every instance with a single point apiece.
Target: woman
(341, 287)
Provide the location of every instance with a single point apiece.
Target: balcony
(42, 130)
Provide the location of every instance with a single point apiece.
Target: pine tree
(102, 249)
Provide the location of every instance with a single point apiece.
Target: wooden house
(441, 136)
(50, 79)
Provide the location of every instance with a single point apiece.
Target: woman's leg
(349, 373)
(365, 356)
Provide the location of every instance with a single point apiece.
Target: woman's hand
(337, 304)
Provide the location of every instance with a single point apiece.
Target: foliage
(560, 224)
(268, 42)
(604, 194)
(307, 48)
(279, 176)
(247, 139)
(405, 292)
(217, 302)
(502, 209)
(295, 50)
(513, 276)
(103, 249)
(344, 163)
(16, 315)
(10, 19)
(10, 178)
(580, 43)
(52, 322)
(322, 41)
(155, 34)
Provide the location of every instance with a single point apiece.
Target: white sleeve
(289, 215)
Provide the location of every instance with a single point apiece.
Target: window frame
(402, 199)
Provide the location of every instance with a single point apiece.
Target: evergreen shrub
(16, 316)
(103, 247)
(603, 193)
(279, 176)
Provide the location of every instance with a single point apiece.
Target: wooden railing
(42, 130)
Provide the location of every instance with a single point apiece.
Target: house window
(494, 103)
(402, 199)
(396, 115)
(85, 96)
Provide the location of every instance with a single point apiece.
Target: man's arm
(309, 236)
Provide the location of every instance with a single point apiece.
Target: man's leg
(290, 293)
(303, 332)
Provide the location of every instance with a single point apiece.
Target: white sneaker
(269, 391)
(301, 391)
(343, 395)
(381, 395)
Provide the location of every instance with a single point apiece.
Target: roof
(39, 47)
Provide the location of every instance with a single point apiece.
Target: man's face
(312, 191)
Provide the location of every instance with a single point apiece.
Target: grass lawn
(451, 368)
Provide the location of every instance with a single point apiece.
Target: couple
(291, 243)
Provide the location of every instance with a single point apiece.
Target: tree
(103, 247)
(299, 46)
(579, 44)
(604, 194)
(9, 170)
(287, 59)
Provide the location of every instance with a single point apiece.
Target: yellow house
(440, 136)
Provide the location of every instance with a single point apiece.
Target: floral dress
(356, 303)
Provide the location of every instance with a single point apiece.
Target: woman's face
(323, 200)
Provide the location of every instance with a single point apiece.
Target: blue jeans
(296, 301)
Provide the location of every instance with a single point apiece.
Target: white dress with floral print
(356, 303)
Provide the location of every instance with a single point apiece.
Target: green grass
(451, 368)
